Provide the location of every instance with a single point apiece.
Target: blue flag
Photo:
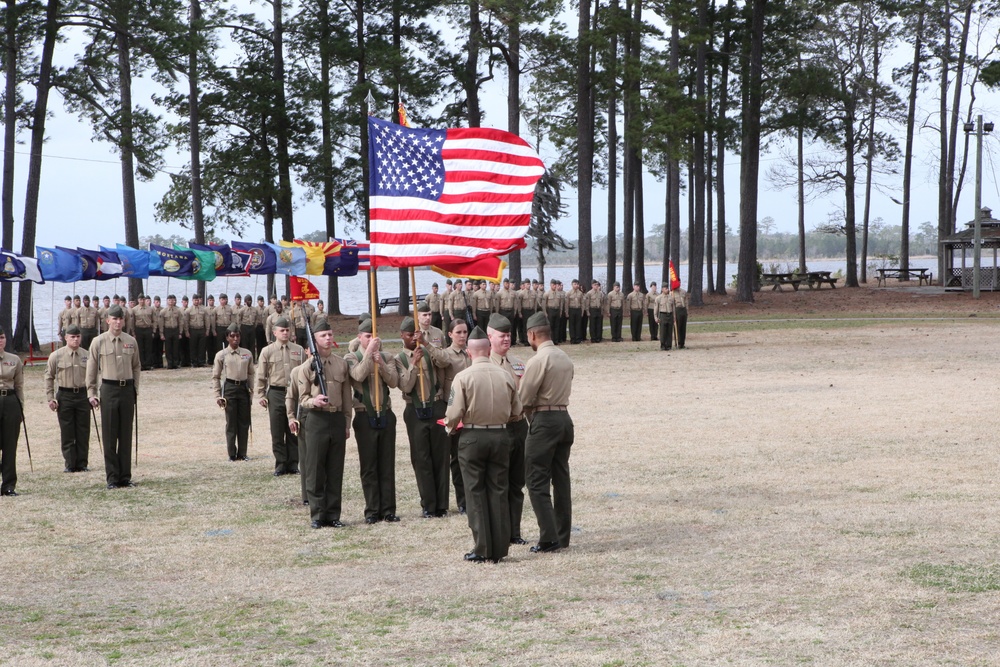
(290, 261)
(87, 264)
(223, 257)
(61, 266)
(174, 263)
(135, 263)
(263, 261)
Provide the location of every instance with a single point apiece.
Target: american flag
(448, 197)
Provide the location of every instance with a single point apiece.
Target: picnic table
(922, 275)
(393, 301)
(778, 280)
(817, 279)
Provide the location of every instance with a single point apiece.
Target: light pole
(979, 129)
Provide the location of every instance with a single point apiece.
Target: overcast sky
(81, 182)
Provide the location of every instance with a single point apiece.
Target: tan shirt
(319, 318)
(292, 395)
(574, 299)
(636, 301)
(65, 368)
(275, 363)
(678, 299)
(232, 364)
(547, 379)
(143, 317)
(409, 378)
(663, 303)
(513, 367)
(616, 300)
(362, 374)
(480, 300)
(247, 316)
(197, 319)
(457, 303)
(87, 317)
(171, 317)
(594, 299)
(12, 374)
(434, 301)
(65, 318)
(508, 300)
(338, 385)
(112, 359)
(458, 361)
(223, 317)
(482, 395)
(552, 300)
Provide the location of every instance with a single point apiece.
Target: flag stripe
(489, 245)
(400, 222)
(437, 253)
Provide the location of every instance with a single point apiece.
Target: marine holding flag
(456, 199)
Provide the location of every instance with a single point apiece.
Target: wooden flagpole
(377, 397)
(416, 322)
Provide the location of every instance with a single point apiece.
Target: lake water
(48, 298)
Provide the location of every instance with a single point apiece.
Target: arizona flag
(302, 289)
(452, 199)
(675, 282)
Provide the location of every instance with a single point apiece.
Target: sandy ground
(822, 493)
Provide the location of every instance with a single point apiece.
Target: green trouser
(237, 417)
(117, 412)
(653, 331)
(377, 456)
(430, 458)
(326, 441)
(616, 324)
(456, 472)
(197, 344)
(553, 315)
(10, 429)
(517, 431)
(144, 338)
(596, 325)
(87, 336)
(636, 325)
(247, 338)
(482, 319)
(522, 325)
(546, 458)
(74, 426)
(283, 442)
(301, 440)
(484, 455)
(682, 325)
(171, 347)
(576, 332)
(666, 331)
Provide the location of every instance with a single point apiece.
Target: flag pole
(420, 366)
(377, 394)
(52, 318)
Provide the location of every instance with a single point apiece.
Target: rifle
(317, 363)
(97, 427)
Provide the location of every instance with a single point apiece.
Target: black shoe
(391, 518)
(83, 469)
(292, 471)
(335, 524)
(126, 485)
(518, 540)
(232, 458)
(545, 547)
(68, 469)
(278, 473)
(305, 502)
(243, 458)
(461, 509)
(8, 492)
(112, 486)
(441, 514)
(315, 525)
(427, 514)
(473, 558)
(371, 519)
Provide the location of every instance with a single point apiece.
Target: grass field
(814, 494)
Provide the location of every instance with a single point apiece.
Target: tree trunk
(672, 252)
(122, 43)
(194, 121)
(471, 83)
(720, 160)
(283, 200)
(39, 116)
(631, 112)
(904, 240)
(870, 157)
(361, 85)
(800, 177)
(640, 224)
(613, 144)
(9, 141)
(326, 146)
(585, 146)
(709, 277)
(697, 238)
(750, 155)
(850, 180)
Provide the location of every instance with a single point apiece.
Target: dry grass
(776, 497)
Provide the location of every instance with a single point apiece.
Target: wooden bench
(777, 280)
(923, 276)
(393, 302)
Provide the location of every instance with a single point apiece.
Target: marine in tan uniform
(635, 304)
(544, 392)
(114, 364)
(374, 424)
(424, 406)
(144, 325)
(247, 319)
(595, 302)
(508, 304)
(211, 337)
(574, 310)
(65, 317)
(654, 330)
(483, 398)
(273, 318)
(86, 319)
(171, 330)
(664, 310)
(553, 305)
(482, 303)
(274, 369)
(66, 394)
(326, 429)
(224, 316)
(679, 307)
(11, 415)
(499, 337)
(319, 316)
(158, 345)
(297, 416)
(198, 326)
(434, 300)
(615, 310)
(232, 382)
(458, 361)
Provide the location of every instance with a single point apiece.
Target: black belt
(73, 390)
(274, 386)
(236, 382)
(120, 383)
(4, 392)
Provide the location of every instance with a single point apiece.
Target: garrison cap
(537, 320)
(72, 330)
(171, 296)
(477, 334)
(408, 325)
(282, 323)
(499, 322)
(423, 307)
(233, 328)
(86, 299)
(322, 326)
(223, 296)
(365, 327)
(116, 311)
(364, 316)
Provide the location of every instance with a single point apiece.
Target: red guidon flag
(454, 199)
(303, 290)
(675, 282)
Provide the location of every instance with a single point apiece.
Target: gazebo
(959, 256)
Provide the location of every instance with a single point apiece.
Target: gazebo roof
(989, 230)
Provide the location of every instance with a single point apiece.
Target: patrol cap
(365, 327)
(116, 311)
(499, 323)
(282, 323)
(322, 326)
(423, 307)
(408, 325)
(537, 320)
(72, 330)
(233, 328)
(477, 334)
